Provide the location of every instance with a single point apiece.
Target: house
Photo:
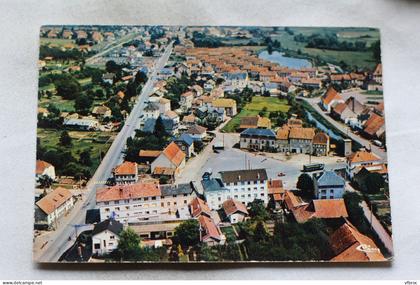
(349, 112)
(374, 127)
(84, 124)
(126, 173)
(171, 157)
(215, 192)
(329, 185)
(255, 122)
(330, 99)
(320, 144)
(130, 203)
(186, 101)
(276, 190)
(300, 140)
(164, 105)
(151, 111)
(108, 78)
(361, 158)
(199, 207)
(210, 233)
(330, 209)
(349, 245)
(176, 196)
(377, 73)
(246, 185)
(53, 206)
(197, 90)
(257, 139)
(197, 132)
(148, 156)
(228, 105)
(101, 112)
(105, 236)
(44, 168)
(292, 202)
(235, 211)
(189, 120)
(311, 83)
(186, 143)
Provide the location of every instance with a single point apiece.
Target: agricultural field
(258, 103)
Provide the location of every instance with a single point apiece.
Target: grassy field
(273, 104)
(97, 142)
(62, 104)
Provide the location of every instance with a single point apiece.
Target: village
(208, 144)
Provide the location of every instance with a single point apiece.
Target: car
(215, 151)
(377, 143)
(281, 174)
(340, 160)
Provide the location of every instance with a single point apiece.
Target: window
(106, 203)
(185, 202)
(153, 198)
(127, 207)
(116, 202)
(97, 245)
(117, 208)
(146, 199)
(162, 204)
(126, 201)
(106, 209)
(174, 196)
(169, 203)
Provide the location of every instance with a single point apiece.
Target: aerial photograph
(191, 144)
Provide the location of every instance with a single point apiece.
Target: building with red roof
(171, 157)
(126, 173)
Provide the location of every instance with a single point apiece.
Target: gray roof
(177, 189)
(251, 132)
(243, 175)
(213, 184)
(330, 178)
(110, 225)
(149, 125)
(186, 138)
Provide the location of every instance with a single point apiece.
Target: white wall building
(105, 236)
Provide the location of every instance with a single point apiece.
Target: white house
(197, 132)
(215, 192)
(105, 236)
(246, 185)
(126, 173)
(235, 211)
(359, 159)
(329, 185)
(53, 206)
(330, 99)
(44, 168)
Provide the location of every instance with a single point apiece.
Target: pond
(322, 127)
(280, 58)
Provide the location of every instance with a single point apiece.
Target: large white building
(140, 202)
(246, 185)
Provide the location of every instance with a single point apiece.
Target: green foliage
(128, 244)
(159, 131)
(85, 158)
(65, 139)
(83, 104)
(198, 146)
(376, 49)
(67, 87)
(306, 184)
(59, 54)
(187, 233)
(355, 211)
(45, 181)
(260, 234)
(257, 210)
(374, 182)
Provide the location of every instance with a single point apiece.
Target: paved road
(345, 129)
(59, 240)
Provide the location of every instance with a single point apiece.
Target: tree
(67, 87)
(376, 49)
(83, 103)
(159, 128)
(85, 158)
(260, 234)
(65, 139)
(306, 184)
(141, 77)
(129, 244)
(374, 182)
(257, 210)
(45, 181)
(198, 146)
(187, 233)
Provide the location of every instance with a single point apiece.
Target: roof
(41, 166)
(275, 186)
(211, 230)
(249, 122)
(331, 95)
(321, 209)
(373, 124)
(174, 153)
(330, 178)
(264, 122)
(252, 132)
(186, 138)
(362, 156)
(243, 175)
(198, 207)
(302, 133)
(292, 201)
(176, 189)
(233, 206)
(126, 168)
(348, 244)
(339, 108)
(320, 138)
(187, 94)
(164, 171)
(189, 118)
(127, 191)
(214, 184)
(54, 199)
(282, 134)
(108, 224)
(149, 153)
(354, 105)
(378, 70)
(196, 130)
(171, 114)
(224, 103)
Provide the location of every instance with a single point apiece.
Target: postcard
(211, 144)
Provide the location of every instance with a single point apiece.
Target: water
(291, 62)
(322, 127)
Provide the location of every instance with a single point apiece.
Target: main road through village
(58, 241)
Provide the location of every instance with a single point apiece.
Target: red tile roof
(41, 166)
(129, 191)
(321, 209)
(210, 229)
(54, 200)
(373, 124)
(149, 153)
(232, 206)
(320, 138)
(363, 156)
(275, 186)
(331, 95)
(199, 207)
(126, 168)
(174, 153)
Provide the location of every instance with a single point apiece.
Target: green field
(273, 104)
(58, 42)
(62, 104)
(97, 142)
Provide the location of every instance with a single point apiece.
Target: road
(346, 130)
(59, 242)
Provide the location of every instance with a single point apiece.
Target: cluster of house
(369, 119)
(290, 138)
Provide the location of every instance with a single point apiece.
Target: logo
(367, 248)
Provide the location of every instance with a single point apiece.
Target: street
(59, 242)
